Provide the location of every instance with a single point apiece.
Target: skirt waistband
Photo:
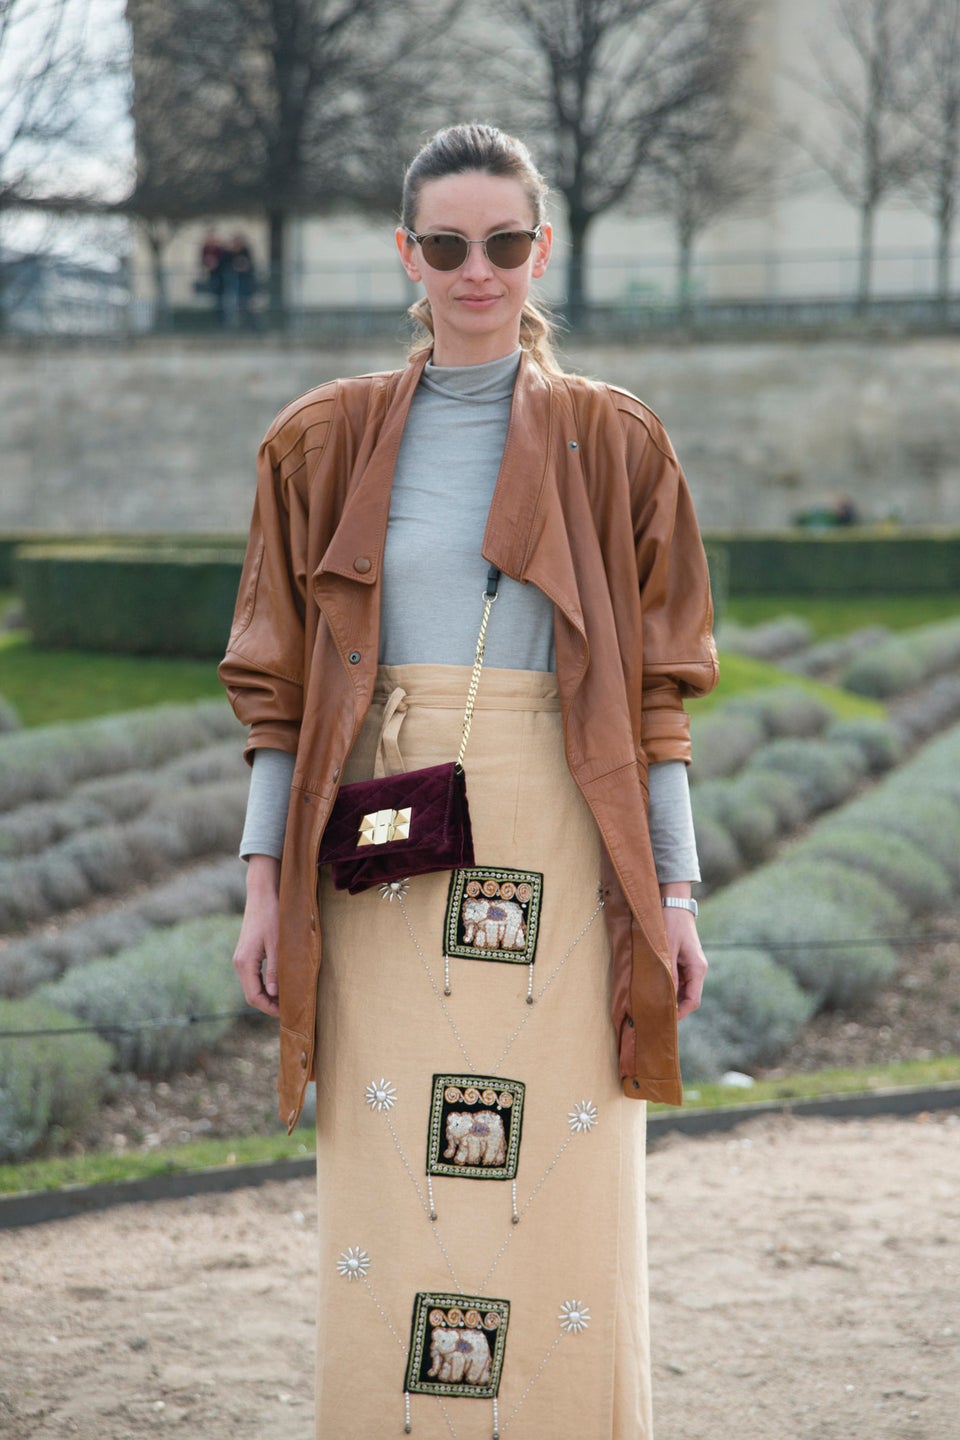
(444, 687)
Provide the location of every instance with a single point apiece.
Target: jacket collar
(526, 535)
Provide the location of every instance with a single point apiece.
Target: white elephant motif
(493, 924)
(476, 1139)
(459, 1357)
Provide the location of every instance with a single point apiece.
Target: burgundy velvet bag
(412, 823)
(397, 826)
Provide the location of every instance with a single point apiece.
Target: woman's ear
(408, 252)
(544, 246)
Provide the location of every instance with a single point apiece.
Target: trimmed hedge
(849, 562)
(184, 971)
(773, 640)
(49, 760)
(903, 661)
(751, 1007)
(13, 540)
(823, 909)
(45, 1080)
(180, 826)
(9, 719)
(217, 887)
(138, 601)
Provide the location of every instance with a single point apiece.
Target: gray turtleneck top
(443, 485)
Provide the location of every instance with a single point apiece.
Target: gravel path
(804, 1287)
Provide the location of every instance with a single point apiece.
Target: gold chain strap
(488, 600)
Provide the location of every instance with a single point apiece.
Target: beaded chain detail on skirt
(480, 1175)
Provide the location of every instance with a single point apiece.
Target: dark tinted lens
(444, 252)
(508, 248)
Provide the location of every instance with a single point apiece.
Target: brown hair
(456, 151)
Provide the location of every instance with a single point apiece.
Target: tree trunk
(684, 271)
(579, 223)
(944, 243)
(161, 289)
(865, 265)
(276, 279)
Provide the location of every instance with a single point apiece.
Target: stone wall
(161, 435)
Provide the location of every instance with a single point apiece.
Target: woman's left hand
(687, 958)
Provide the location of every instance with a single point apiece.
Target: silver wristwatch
(675, 902)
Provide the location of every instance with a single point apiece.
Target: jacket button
(354, 657)
(636, 1084)
(303, 1059)
(630, 1021)
(361, 564)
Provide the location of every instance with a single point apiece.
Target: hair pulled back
(456, 151)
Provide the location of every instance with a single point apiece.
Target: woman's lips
(478, 302)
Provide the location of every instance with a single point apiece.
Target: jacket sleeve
(263, 667)
(679, 655)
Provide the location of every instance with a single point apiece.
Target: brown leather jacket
(592, 507)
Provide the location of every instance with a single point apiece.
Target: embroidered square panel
(475, 1123)
(457, 1345)
(493, 914)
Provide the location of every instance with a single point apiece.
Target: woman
(466, 1016)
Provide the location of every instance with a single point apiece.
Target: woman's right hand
(255, 958)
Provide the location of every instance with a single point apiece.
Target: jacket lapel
(362, 530)
(527, 533)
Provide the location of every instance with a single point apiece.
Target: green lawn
(838, 616)
(47, 686)
(741, 675)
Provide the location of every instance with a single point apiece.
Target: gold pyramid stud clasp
(384, 825)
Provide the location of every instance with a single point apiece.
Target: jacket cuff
(272, 735)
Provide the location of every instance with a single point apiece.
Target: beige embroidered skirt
(480, 1174)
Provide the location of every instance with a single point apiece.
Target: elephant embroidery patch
(493, 914)
(475, 1123)
(457, 1345)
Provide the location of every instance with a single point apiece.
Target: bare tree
(273, 106)
(598, 81)
(870, 152)
(41, 70)
(713, 160)
(933, 105)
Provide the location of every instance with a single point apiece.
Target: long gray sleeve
(671, 823)
(267, 804)
(671, 818)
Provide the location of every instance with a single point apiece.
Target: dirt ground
(804, 1278)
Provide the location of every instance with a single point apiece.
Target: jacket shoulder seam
(627, 403)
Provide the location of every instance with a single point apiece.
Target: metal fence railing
(358, 301)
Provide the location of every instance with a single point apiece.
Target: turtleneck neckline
(492, 381)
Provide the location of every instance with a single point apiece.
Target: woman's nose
(476, 264)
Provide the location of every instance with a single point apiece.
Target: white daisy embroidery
(583, 1117)
(380, 1095)
(353, 1263)
(574, 1317)
(394, 889)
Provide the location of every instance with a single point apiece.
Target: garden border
(37, 1207)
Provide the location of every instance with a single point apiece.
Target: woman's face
(476, 309)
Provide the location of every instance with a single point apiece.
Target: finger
(249, 967)
(690, 989)
(270, 974)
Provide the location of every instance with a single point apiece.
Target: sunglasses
(445, 250)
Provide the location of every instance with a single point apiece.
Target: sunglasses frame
(532, 235)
